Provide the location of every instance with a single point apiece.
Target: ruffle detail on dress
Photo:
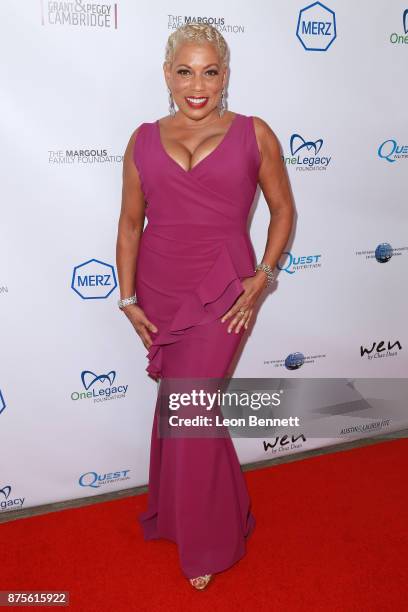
(210, 299)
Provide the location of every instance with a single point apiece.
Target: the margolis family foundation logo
(99, 387)
(175, 21)
(305, 154)
(79, 13)
(293, 361)
(401, 38)
(91, 156)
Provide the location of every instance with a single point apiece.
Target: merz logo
(316, 27)
(94, 280)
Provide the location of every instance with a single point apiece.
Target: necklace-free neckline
(210, 155)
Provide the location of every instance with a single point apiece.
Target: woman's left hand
(253, 287)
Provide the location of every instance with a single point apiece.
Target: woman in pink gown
(192, 270)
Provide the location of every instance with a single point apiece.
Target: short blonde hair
(200, 33)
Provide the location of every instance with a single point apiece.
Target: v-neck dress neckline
(208, 157)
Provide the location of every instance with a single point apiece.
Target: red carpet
(331, 535)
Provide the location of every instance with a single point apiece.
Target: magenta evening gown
(193, 254)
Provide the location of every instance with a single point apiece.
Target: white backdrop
(77, 78)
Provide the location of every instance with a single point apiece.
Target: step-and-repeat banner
(78, 77)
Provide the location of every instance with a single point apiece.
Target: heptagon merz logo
(94, 280)
(316, 27)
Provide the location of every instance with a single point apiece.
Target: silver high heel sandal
(201, 581)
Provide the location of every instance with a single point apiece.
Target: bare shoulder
(264, 132)
(130, 170)
(267, 140)
(131, 141)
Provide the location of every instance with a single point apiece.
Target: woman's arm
(274, 182)
(131, 222)
(130, 229)
(275, 186)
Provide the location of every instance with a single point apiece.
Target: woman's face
(195, 78)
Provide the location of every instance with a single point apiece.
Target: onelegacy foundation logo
(401, 38)
(99, 387)
(305, 154)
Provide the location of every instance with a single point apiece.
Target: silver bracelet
(127, 301)
(268, 270)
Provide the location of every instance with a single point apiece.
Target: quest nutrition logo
(383, 252)
(8, 502)
(316, 27)
(291, 263)
(91, 156)
(391, 151)
(94, 280)
(175, 21)
(95, 480)
(293, 361)
(80, 14)
(99, 387)
(401, 38)
(306, 154)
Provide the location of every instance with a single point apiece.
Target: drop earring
(222, 107)
(172, 109)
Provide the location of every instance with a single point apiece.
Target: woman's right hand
(141, 323)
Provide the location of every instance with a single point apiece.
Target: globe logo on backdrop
(316, 27)
(294, 361)
(384, 252)
(94, 280)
